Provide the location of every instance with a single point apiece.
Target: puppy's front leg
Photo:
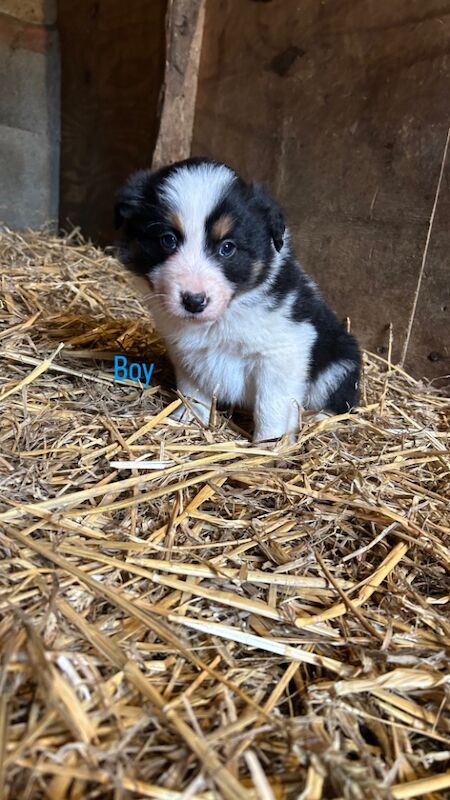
(199, 402)
(277, 404)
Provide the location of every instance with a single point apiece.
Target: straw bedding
(221, 621)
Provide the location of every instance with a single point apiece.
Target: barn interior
(185, 615)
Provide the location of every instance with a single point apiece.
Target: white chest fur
(253, 357)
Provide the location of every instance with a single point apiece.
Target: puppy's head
(199, 233)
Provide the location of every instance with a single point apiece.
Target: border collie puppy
(239, 317)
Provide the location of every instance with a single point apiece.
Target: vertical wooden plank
(185, 19)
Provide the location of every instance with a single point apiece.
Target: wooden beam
(184, 32)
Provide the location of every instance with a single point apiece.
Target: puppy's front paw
(266, 444)
(193, 412)
(271, 442)
(182, 412)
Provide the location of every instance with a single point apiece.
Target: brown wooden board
(112, 56)
(184, 31)
(342, 107)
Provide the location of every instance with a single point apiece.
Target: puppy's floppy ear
(131, 197)
(272, 212)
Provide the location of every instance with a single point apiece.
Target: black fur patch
(271, 212)
(290, 280)
(251, 233)
(332, 344)
(345, 397)
(139, 209)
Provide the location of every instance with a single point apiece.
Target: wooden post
(184, 31)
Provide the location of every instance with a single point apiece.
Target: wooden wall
(112, 62)
(342, 107)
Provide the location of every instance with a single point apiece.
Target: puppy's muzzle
(194, 303)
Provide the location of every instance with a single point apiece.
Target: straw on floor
(184, 615)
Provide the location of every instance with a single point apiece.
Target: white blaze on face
(192, 193)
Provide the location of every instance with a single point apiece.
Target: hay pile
(225, 622)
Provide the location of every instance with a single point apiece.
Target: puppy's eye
(169, 242)
(227, 248)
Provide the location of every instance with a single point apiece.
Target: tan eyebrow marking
(222, 226)
(175, 221)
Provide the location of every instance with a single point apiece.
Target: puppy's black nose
(195, 303)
